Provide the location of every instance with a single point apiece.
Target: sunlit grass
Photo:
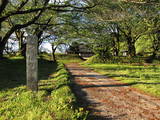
(71, 58)
(146, 78)
(63, 58)
(15, 101)
(54, 100)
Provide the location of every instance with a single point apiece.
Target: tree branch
(3, 5)
(57, 8)
(19, 26)
(140, 2)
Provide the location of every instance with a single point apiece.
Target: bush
(94, 59)
(120, 59)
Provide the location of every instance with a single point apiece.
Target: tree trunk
(1, 53)
(116, 47)
(118, 43)
(53, 57)
(53, 54)
(22, 44)
(32, 63)
(131, 47)
(23, 50)
(2, 47)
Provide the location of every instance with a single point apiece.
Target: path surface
(109, 99)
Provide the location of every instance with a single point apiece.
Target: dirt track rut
(108, 99)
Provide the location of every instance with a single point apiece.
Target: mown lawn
(54, 101)
(146, 78)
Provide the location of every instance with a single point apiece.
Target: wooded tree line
(30, 22)
(132, 26)
(117, 26)
(19, 18)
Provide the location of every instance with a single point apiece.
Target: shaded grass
(12, 71)
(146, 78)
(54, 101)
(18, 103)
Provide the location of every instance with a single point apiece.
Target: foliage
(109, 27)
(147, 45)
(125, 24)
(94, 59)
(102, 49)
(35, 18)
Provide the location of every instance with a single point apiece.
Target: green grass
(54, 101)
(63, 58)
(146, 78)
(71, 58)
(121, 59)
(65, 105)
(12, 72)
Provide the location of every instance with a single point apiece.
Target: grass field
(54, 101)
(64, 58)
(12, 72)
(146, 78)
(68, 58)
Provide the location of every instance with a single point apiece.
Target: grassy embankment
(54, 101)
(143, 77)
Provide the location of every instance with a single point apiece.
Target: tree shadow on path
(82, 94)
(83, 101)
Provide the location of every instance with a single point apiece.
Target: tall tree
(21, 9)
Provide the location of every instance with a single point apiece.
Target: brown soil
(108, 99)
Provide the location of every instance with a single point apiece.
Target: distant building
(82, 50)
(124, 52)
(85, 51)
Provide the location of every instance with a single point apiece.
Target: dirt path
(109, 99)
